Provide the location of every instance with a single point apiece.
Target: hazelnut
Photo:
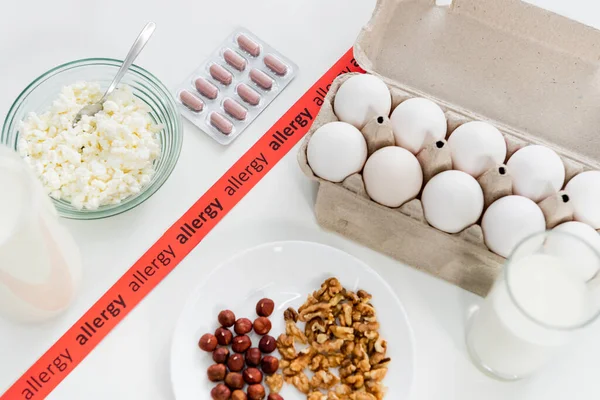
(265, 307)
(269, 365)
(220, 392)
(252, 375)
(234, 380)
(226, 318)
(243, 326)
(262, 325)
(235, 363)
(216, 372)
(253, 357)
(256, 392)
(208, 342)
(273, 396)
(224, 336)
(238, 395)
(241, 344)
(267, 344)
(220, 355)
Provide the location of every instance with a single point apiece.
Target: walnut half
(274, 382)
(291, 329)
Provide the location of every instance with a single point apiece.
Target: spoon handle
(135, 50)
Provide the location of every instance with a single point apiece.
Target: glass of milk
(40, 264)
(547, 291)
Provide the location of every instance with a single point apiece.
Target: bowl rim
(177, 131)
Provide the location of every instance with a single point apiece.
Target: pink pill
(235, 109)
(261, 79)
(191, 101)
(235, 60)
(206, 88)
(221, 123)
(221, 74)
(248, 45)
(275, 64)
(248, 94)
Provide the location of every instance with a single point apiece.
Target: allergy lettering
(142, 275)
(237, 180)
(189, 229)
(89, 328)
(301, 120)
(36, 382)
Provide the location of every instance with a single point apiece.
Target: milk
(510, 344)
(40, 264)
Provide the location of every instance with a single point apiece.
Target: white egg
(362, 98)
(537, 172)
(417, 122)
(510, 220)
(392, 176)
(452, 201)
(584, 191)
(585, 259)
(336, 150)
(476, 147)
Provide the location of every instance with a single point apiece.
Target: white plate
(285, 272)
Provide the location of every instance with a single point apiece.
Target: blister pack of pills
(234, 85)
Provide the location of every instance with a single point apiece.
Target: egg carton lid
(531, 72)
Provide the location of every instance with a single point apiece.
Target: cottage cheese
(101, 160)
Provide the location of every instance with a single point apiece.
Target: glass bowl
(40, 93)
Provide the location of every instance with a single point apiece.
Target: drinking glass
(548, 290)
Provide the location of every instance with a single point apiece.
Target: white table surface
(133, 361)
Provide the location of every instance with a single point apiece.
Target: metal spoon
(135, 50)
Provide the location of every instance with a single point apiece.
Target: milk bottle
(40, 264)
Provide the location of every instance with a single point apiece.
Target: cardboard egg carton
(531, 73)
